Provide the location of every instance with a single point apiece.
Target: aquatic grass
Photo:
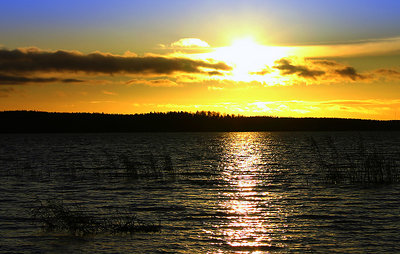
(53, 215)
(376, 169)
(129, 223)
(362, 167)
(130, 166)
(168, 167)
(125, 164)
(152, 167)
(147, 166)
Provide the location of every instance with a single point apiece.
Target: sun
(244, 55)
(250, 60)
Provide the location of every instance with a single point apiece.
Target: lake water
(254, 192)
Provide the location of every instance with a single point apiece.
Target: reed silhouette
(364, 167)
(54, 215)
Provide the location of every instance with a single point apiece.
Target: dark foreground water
(225, 193)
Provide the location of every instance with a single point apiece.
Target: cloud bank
(34, 66)
(321, 70)
(17, 66)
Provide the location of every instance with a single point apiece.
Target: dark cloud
(5, 91)
(388, 73)
(329, 71)
(71, 80)
(350, 72)
(35, 60)
(18, 80)
(287, 68)
(213, 73)
(262, 72)
(155, 82)
(324, 62)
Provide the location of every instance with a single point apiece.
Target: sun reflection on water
(247, 228)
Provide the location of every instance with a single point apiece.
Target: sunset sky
(309, 58)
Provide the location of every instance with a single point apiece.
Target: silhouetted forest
(34, 121)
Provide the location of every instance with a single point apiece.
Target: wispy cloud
(4, 92)
(215, 88)
(188, 43)
(387, 74)
(358, 48)
(153, 82)
(17, 80)
(108, 92)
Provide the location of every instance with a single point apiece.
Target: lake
(247, 192)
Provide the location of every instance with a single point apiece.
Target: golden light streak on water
(246, 228)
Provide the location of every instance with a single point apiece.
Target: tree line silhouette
(46, 122)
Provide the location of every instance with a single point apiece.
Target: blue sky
(147, 23)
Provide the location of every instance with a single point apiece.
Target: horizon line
(220, 114)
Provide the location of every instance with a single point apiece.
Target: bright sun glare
(250, 61)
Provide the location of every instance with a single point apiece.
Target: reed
(130, 166)
(362, 167)
(147, 166)
(54, 215)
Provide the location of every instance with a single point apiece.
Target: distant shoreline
(46, 122)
